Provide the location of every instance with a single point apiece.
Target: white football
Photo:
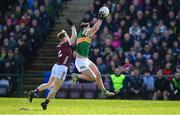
(105, 10)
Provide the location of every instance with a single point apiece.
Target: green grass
(84, 106)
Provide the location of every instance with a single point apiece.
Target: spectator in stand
(97, 4)
(147, 52)
(135, 29)
(160, 7)
(38, 33)
(161, 86)
(51, 11)
(107, 51)
(6, 44)
(138, 64)
(2, 60)
(94, 54)
(111, 67)
(175, 91)
(12, 40)
(115, 58)
(140, 18)
(127, 66)
(137, 46)
(33, 41)
(132, 55)
(101, 66)
(116, 43)
(176, 48)
(178, 60)
(167, 70)
(136, 84)
(117, 83)
(148, 80)
(11, 67)
(19, 60)
(150, 67)
(143, 38)
(141, 58)
(127, 42)
(121, 56)
(10, 62)
(110, 24)
(44, 21)
(105, 35)
(157, 60)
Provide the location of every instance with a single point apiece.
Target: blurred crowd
(141, 34)
(24, 26)
(137, 33)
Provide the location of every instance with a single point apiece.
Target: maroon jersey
(64, 52)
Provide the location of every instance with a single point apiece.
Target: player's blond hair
(61, 34)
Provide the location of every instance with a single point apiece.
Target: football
(105, 10)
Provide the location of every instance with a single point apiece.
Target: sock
(46, 101)
(36, 91)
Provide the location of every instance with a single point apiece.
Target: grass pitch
(12, 106)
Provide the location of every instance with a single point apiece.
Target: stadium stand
(24, 26)
(140, 34)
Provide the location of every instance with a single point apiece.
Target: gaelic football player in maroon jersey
(59, 70)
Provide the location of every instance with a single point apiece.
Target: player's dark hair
(84, 25)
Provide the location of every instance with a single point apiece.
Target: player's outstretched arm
(73, 37)
(94, 29)
(96, 26)
(73, 33)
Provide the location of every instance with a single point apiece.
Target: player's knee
(48, 84)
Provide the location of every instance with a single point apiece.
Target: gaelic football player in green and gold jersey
(88, 69)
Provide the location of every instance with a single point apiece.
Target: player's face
(65, 39)
(88, 26)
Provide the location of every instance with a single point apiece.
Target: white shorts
(82, 64)
(59, 71)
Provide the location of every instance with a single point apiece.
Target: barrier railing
(19, 80)
(21, 76)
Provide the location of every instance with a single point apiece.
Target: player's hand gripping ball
(103, 12)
